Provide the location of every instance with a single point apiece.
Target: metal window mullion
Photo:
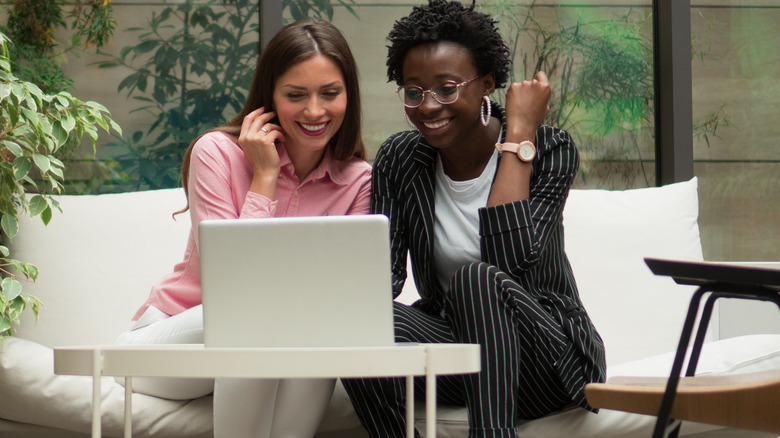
(673, 91)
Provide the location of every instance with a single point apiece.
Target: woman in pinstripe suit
(483, 228)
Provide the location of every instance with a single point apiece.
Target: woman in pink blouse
(295, 149)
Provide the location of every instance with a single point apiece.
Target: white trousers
(256, 408)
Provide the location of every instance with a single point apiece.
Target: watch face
(526, 152)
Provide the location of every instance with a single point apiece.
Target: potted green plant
(34, 125)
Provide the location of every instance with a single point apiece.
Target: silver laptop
(296, 282)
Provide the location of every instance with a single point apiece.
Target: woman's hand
(527, 104)
(258, 140)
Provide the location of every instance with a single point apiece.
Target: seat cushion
(744, 354)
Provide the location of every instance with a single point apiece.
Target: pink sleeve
(362, 202)
(219, 181)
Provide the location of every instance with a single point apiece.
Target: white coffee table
(195, 360)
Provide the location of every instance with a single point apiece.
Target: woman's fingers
(542, 77)
(258, 139)
(527, 104)
(256, 125)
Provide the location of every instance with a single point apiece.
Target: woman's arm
(527, 198)
(527, 104)
(362, 202)
(513, 235)
(217, 166)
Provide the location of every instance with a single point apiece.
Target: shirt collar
(329, 167)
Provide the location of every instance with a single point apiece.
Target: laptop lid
(296, 282)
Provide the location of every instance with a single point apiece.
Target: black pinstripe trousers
(520, 343)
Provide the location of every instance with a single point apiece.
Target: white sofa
(99, 257)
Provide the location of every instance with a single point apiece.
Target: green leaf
(34, 303)
(68, 122)
(11, 288)
(97, 106)
(57, 171)
(4, 250)
(29, 115)
(21, 167)
(33, 99)
(5, 325)
(37, 204)
(29, 270)
(13, 114)
(145, 47)
(13, 147)
(59, 133)
(103, 124)
(17, 306)
(46, 215)
(5, 92)
(55, 162)
(63, 100)
(130, 82)
(115, 126)
(124, 52)
(10, 225)
(42, 161)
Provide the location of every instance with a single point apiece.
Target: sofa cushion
(98, 260)
(608, 233)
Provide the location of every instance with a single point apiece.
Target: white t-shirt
(456, 228)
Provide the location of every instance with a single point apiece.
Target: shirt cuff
(505, 217)
(258, 206)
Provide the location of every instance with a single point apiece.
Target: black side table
(719, 280)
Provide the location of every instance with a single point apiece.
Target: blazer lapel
(421, 187)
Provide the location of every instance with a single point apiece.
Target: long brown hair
(294, 43)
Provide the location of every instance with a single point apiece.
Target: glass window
(736, 154)
(164, 79)
(172, 70)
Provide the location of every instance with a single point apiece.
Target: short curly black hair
(442, 20)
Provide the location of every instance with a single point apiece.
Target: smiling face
(310, 100)
(455, 124)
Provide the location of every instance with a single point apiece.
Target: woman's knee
(412, 324)
(472, 283)
(403, 323)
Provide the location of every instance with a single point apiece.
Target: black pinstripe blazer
(524, 239)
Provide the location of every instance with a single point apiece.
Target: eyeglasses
(412, 96)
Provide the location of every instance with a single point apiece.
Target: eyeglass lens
(443, 93)
(412, 96)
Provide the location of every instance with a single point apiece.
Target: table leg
(128, 407)
(97, 367)
(410, 406)
(430, 402)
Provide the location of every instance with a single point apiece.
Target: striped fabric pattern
(520, 302)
